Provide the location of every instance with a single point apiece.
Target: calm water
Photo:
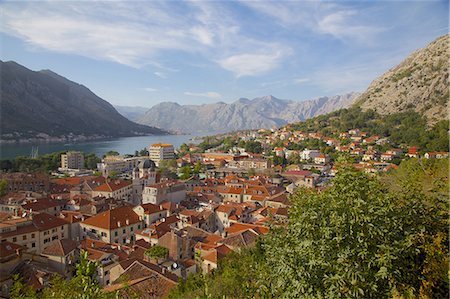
(125, 145)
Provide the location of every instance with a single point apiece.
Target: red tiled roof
(225, 209)
(43, 204)
(112, 186)
(60, 247)
(8, 248)
(44, 221)
(150, 208)
(239, 227)
(111, 218)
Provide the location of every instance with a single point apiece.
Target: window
(33, 245)
(124, 231)
(24, 237)
(32, 236)
(14, 239)
(62, 227)
(115, 234)
(131, 228)
(104, 234)
(106, 272)
(139, 226)
(124, 240)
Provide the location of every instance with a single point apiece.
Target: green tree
(111, 153)
(357, 240)
(113, 174)
(3, 187)
(253, 147)
(91, 160)
(157, 252)
(20, 290)
(186, 172)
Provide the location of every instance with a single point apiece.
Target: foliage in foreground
(359, 238)
(82, 286)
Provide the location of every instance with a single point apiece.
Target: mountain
(419, 82)
(44, 103)
(263, 112)
(133, 113)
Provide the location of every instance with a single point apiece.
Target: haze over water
(124, 145)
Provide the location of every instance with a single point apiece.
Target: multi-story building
(72, 160)
(144, 174)
(161, 151)
(118, 189)
(172, 191)
(21, 181)
(114, 226)
(36, 233)
(119, 164)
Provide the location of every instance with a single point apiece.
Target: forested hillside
(409, 128)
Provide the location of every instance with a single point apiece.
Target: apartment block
(161, 151)
(72, 160)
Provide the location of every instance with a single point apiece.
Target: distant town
(162, 214)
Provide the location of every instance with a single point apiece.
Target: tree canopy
(360, 237)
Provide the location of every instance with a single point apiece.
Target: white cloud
(319, 17)
(209, 94)
(341, 25)
(203, 35)
(150, 89)
(160, 74)
(301, 80)
(140, 35)
(251, 64)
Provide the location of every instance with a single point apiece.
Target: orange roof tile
(111, 219)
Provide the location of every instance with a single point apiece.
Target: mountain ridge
(44, 103)
(243, 113)
(419, 82)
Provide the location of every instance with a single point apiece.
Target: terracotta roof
(112, 186)
(225, 209)
(150, 208)
(110, 219)
(239, 227)
(217, 253)
(60, 247)
(74, 181)
(8, 248)
(242, 239)
(44, 221)
(43, 204)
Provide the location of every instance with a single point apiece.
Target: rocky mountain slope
(419, 82)
(133, 113)
(46, 104)
(263, 112)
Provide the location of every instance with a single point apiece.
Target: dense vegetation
(82, 285)
(402, 128)
(43, 163)
(359, 238)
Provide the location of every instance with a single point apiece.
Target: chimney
(127, 222)
(118, 223)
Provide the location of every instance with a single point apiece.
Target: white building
(309, 154)
(161, 151)
(143, 175)
(171, 191)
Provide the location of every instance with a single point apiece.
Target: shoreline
(70, 139)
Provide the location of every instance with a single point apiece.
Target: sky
(140, 53)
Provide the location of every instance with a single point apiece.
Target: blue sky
(140, 53)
